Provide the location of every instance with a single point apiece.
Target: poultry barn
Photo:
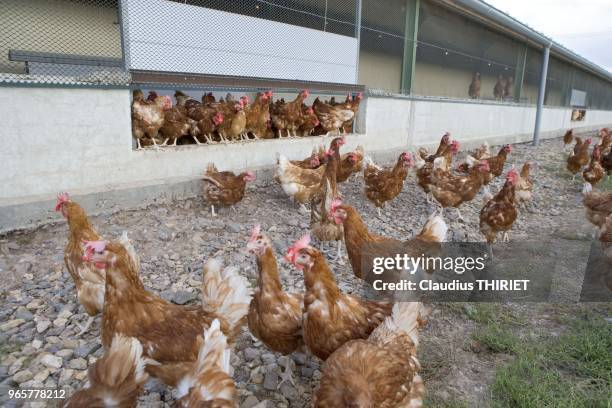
(207, 203)
(472, 71)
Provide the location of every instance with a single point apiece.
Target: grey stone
(250, 402)
(271, 381)
(289, 391)
(86, 349)
(51, 361)
(233, 227)
(182, 297)
(268, 358)
(251, 353)
(24, 314)
(23, 376)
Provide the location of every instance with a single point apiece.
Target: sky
(584, 27)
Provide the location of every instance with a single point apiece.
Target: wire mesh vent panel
(308, 40)
(75, 42)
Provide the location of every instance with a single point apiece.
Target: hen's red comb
(296, 247)
(61, 199)
(255, 232)
(335, 204)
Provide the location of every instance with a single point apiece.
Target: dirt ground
(40, 313)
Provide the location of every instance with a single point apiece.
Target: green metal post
(519, 75)
(411, 31)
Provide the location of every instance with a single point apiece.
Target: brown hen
(383, 184)
(331, 318)
(88, 280)
(224, 187)
(499, 213)
(170, 334)
(382, 371)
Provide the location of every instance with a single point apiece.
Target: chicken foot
(459, 216)
(212, 211)
(195, 139)
(287, 373)
(208, 138)
(85, 327)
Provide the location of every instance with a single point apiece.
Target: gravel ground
(41, 315)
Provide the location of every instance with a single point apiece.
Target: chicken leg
(155, 145)
(223, 138)
(139, 146)
(195, 139)
(339, 257)
(84, 328)
(379, 214)
(212, 211)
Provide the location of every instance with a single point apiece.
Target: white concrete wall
(79, 140)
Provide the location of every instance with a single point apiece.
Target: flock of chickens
(369, 346)
(594, 166)
(503, 87)
(156, 121)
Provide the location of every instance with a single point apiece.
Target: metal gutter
(494, 15)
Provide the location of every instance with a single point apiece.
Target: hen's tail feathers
(370, 163)
(211, 168)
(119, 375)
(417, 392)
(129, 247)
(405, 319)
(211, 375)
(419, 161)
(226, 294)
(214, 350)
(281, 165)
(435, 229)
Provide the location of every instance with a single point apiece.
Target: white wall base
(79, 140)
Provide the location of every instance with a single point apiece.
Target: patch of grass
(497, 338)
(486, 313)
(605, 184)
(586, 349)
(573, 370)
